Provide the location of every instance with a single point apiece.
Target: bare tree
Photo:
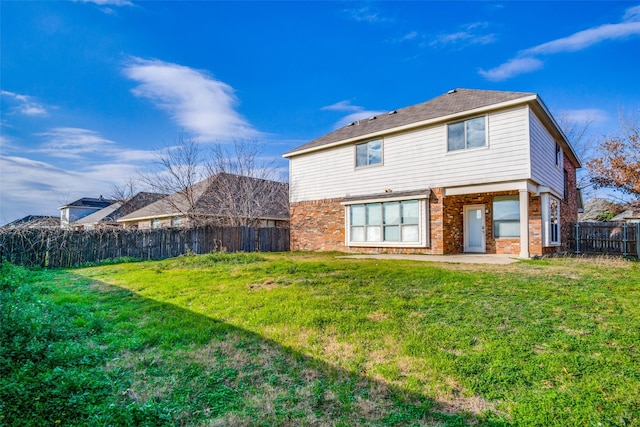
(247, 185)
(230, 184)
(178, 168)
(577, 132)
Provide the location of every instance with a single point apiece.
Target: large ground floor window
(387, 223)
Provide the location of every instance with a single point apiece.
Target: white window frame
(466, 147)
(559, 156)
(155, 224)
(423, 224)
(551, 221)
(367, 144)
(514, 197)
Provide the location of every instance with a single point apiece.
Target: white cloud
(527, 60)
(72, 143)
(469, 34)
(108, 2)
(586, 115)
(366, 14)
(24, 104)
(31, 187)
(342, 106)
(196, 101)
(357, 112)
(512, 68)
(587, 38)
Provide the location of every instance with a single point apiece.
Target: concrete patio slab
(460, 258)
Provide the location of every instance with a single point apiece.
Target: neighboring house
(630, 216)
(33, 221)
(73, 211)
(107, 217)
(222, 199)
(469, 171)
(598, 209)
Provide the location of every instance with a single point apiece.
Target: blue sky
(91, 89)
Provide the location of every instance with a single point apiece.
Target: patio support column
(524, 224)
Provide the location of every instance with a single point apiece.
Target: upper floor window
(369, 153)
(558, 155)
(467, 134)
(155, 223)
(176, 221)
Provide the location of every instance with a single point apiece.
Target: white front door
(474, 237)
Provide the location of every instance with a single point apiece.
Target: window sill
(386, 245)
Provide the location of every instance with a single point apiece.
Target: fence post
(624, 239)
(577, 227)
(638, 240)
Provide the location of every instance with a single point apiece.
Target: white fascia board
(423, 123)
(491, 188)
(144, 218)
(386, 199)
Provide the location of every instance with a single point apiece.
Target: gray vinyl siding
(416, 160)
(543, 157)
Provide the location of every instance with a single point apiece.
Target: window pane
(475, 132)
(410, 233)
(392, 213)
(506, 216)
(391, 233)
(375, 152)
(361, 155)
(373, 234)
(506, 228)
(357, 215)
(357, 234)
(374, 214)
(410, 212)
(506, 208)
(456, 136)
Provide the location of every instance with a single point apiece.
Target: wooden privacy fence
(606, 238)
(68, 248)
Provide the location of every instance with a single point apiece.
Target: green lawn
(310, 339)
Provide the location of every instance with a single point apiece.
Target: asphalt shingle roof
(452, 102)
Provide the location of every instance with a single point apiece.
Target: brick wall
(568, 206)
(319, 226)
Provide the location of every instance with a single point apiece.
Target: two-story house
(469, 171)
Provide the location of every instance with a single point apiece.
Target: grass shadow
(121, 359)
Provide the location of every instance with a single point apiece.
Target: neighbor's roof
(202, 196)
(454, 102)
(33, 221)
(88, 202)
(117, 210)
(628, 214)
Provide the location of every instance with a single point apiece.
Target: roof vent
(392, 112)
(372, 118)
(452, 91)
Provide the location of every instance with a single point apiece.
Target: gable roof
(88, 202)
(33, 221)
(627, 215)
(116, 210)
(202, 196)
(456, 102)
